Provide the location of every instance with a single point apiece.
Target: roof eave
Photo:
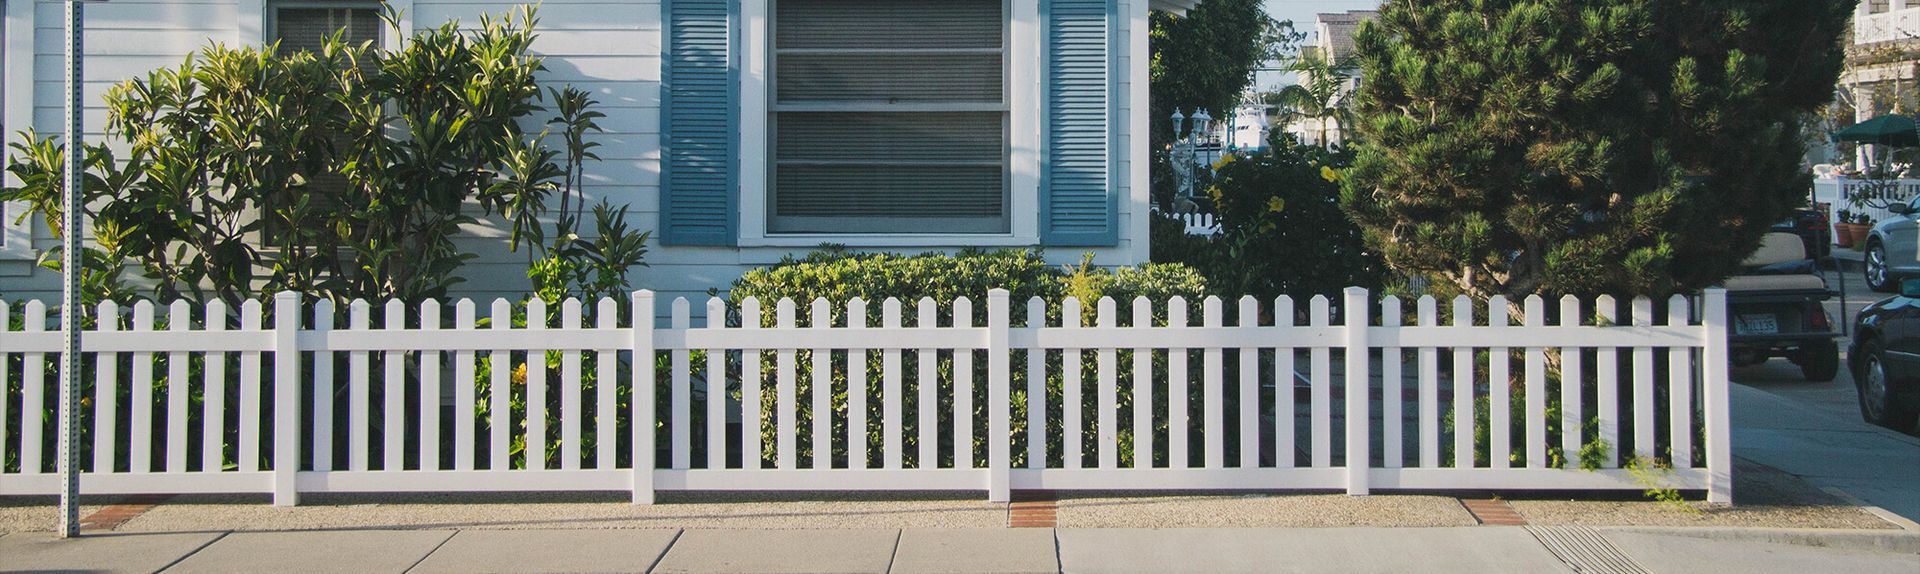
(1175, 6)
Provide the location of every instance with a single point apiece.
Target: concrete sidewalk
(1433, 550)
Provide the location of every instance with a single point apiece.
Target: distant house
(1333, 33)
(1883, 62)
(741, 131)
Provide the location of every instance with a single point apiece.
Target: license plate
(1758, 325)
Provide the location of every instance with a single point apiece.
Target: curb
(1895, 541)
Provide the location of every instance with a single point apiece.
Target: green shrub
(839, 275)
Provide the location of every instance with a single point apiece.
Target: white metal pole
(70, 285)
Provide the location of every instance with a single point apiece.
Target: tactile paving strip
(1585, 550)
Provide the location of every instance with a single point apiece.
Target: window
(306, 26)
(888, 116)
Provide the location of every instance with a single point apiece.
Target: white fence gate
(1167, 395)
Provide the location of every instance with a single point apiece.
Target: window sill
(893, 240)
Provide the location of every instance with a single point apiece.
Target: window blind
(888, 117)
(307, 28)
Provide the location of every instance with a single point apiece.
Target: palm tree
(1320, 94)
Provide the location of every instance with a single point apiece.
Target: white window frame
(16, 114)
(1022, 60)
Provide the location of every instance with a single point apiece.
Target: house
(1333, 39)
(741, 131)
(1883, 63)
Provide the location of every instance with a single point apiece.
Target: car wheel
(1879, 278)
(1819, 360)
(1878, 403)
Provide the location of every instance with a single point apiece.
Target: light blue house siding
(685, 85)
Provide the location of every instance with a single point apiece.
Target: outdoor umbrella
(1892, 130)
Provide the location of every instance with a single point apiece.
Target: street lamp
(1185, 155)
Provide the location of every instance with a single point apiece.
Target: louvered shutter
(697, 188)
(1078, 202)
(889, 117)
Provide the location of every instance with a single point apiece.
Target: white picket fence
(1202, 224)
(228, 406)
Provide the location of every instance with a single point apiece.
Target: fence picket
(6, 360)
(500, 392)
(1463, 383)
(1392, 450)
(784, 411)
(1037, 433)
(1644, 439)
(1249, 385)
(570, 399)
(716, 388)
(213, 414)
(1321, 401)
(1214, 389)
(179, 320)
(857, 390)
(139, 424)
(1607, 382)
(465, 401)
(890, 389)
(430, 390)
(1142, 388)
(927, 386)
(1285, 383)
(357, 390)
(106, 390)
(821, 359)
(1499, 389)
(1071, 403)
(1179, 427)
(536, 384)
(394, 430)
(1572, 372)
(606, 387)
(1536, 381)
(963, 455)
(680, 394)
(752, 409)
(1680, 388)
(1108, 417)
(33, 399)
(248, 454)
(645, 386)
(1429, 316)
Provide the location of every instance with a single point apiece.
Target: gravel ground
(34, 514)
(1763, 497)
(1302, 510)
(536, 511)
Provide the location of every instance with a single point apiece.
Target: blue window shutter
(699, 203)
(1078, 201)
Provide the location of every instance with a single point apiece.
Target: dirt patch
(1286, 510)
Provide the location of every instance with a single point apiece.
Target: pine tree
(1585, 146)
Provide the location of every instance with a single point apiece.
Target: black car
(1886, 359)
(1814, 231)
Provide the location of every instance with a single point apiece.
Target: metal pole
(70, 286)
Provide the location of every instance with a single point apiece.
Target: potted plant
(1846, 233)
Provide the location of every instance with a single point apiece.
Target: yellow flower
(519, 376)
(1276, 205)
(1328, 173)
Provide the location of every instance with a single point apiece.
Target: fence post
(643, 397)
(1359, 381)
(999, 397)
(1713, 369)
(286, 398)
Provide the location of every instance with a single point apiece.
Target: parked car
(1813, 228)
(1885, 358)
(1893, 248)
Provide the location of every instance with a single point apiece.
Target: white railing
(408, 399)
(1202, 224)
(1890, 26)
(1836, 193)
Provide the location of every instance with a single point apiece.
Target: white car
(1893, 248)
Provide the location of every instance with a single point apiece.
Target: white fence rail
(1202, 224)
(1350, 395)
(1836, 193)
